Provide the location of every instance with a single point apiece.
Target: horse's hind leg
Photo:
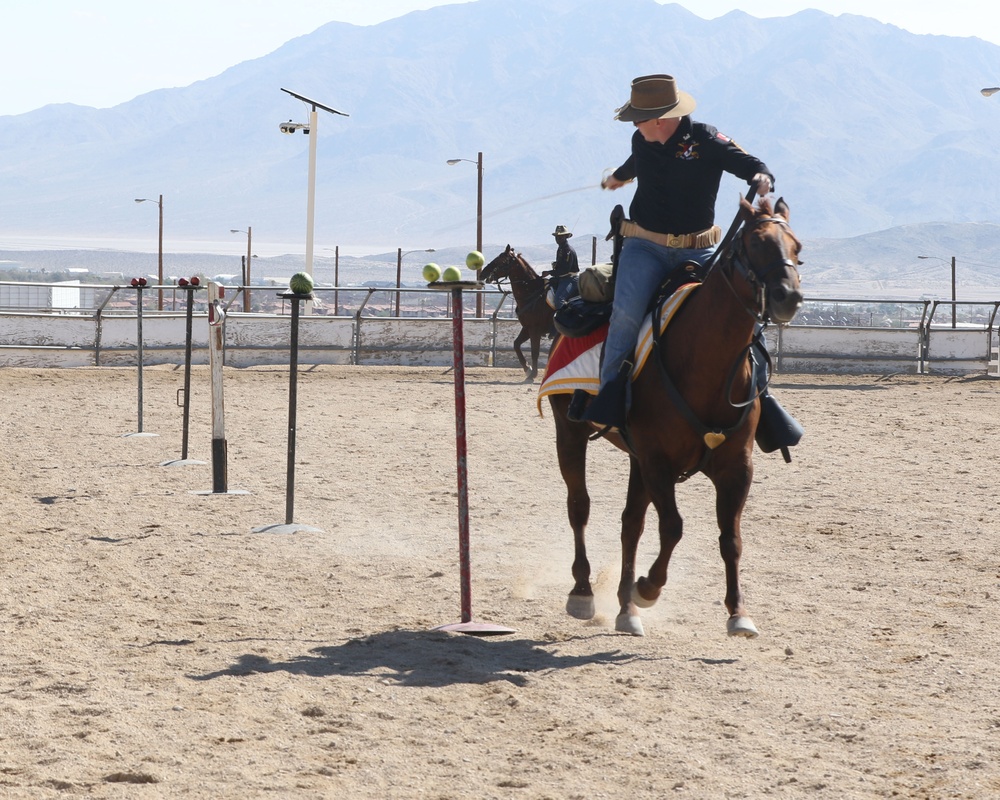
(730, 497)
(522, 337)
(536, 344)
(633, 523)
(571, 446)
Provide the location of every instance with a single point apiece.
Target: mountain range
(868, 128)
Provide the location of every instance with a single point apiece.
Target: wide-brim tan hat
(655, 97)
(561, 231)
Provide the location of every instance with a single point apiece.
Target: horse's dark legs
(522, 337)
(671, 527)
(571, 446)
(633, 523)
(731, 495)
(536, 344)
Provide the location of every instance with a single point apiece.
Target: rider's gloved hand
(763, 183)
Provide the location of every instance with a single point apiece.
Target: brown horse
(687, 416)
(533, 312)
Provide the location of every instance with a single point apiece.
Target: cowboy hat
(655, 97)
(561, 231)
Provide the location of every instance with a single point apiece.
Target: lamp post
(336, 280)
(399, 269)
(954, 316)
(309, 129)
(479, 216)
(159, 267)
(246, 268)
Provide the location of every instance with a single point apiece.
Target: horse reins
(732, 254)
(532, 298)
(736, 259)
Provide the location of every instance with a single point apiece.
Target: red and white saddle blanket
(574, 363)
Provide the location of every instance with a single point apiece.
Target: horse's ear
(746, 209)
(781, 208)
(509, 249)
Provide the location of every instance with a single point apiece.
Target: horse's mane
(528, 268)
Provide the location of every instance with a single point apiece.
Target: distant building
(64, 295)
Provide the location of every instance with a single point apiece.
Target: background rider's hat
(561, 231)
(655, 97)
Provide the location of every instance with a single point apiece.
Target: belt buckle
(673, 240)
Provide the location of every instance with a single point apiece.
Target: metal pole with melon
(451, 280)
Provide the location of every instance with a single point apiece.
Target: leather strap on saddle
(685, 241)
(617, 218)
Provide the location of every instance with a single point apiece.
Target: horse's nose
(784, 302)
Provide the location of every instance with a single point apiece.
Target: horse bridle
(737, 260)
(534, 297)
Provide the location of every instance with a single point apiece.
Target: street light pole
(159, 260)
(399, 269)
(246, 269)
(479, 216)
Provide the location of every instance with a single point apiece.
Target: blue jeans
(563, 289)
(642, 267)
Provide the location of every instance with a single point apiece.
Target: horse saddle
(579, 316)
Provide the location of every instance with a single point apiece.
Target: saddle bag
(576, 317)
(596, 284)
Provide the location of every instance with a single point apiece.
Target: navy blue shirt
(677, 181)
(566, 262)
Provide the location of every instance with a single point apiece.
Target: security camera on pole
(310, 129)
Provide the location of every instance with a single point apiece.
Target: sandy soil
(153, 645)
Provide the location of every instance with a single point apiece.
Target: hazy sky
(105, 52)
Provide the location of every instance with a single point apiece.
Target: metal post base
(475, 628)
(287, 527)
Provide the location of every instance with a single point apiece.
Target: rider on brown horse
(564, 267)
(678, 165)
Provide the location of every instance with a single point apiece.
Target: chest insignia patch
(688, 151)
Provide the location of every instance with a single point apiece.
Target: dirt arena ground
(152, 645)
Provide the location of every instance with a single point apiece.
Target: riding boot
(577, 405)
(609, 408)
(776, 429)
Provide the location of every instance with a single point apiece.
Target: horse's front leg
(647, 589)
(521, 338)
(731, 496)
(633, 523)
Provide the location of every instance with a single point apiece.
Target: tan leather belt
(686, 241)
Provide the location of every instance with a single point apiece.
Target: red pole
(463, 465)
(466, 625)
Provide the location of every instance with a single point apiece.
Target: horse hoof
(641, 601)
(741, 626)
(629, 623)
(580, 606)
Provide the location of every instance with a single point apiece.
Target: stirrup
(578, 405)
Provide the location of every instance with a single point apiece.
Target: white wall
(66, 340)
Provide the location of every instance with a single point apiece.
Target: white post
(311, 203)
(216, 354)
